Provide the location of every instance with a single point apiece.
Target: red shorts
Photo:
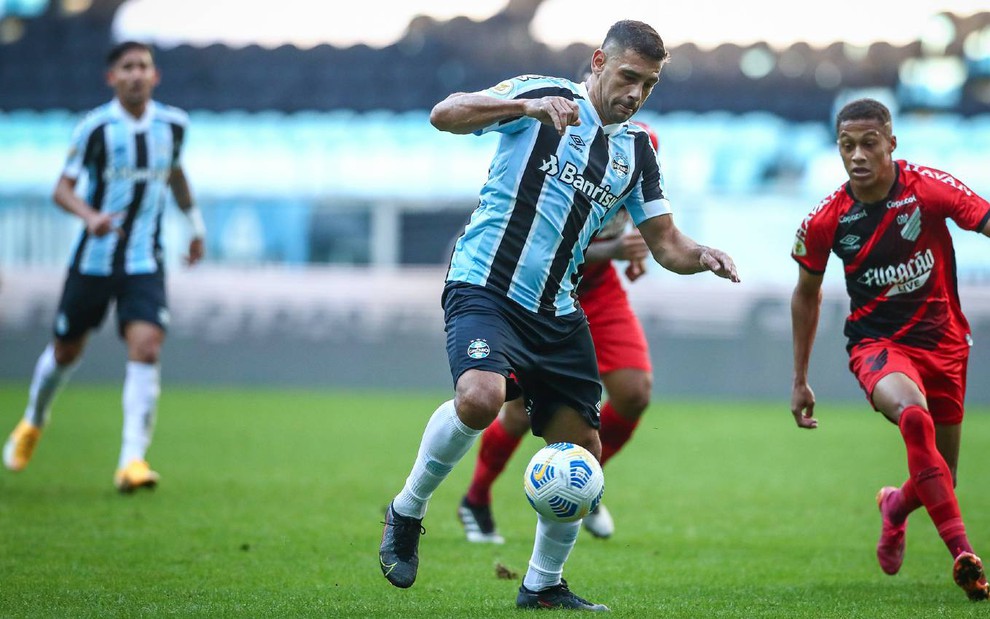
(941, 376)
(619, 339)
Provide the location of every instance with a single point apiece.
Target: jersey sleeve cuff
(807, 268)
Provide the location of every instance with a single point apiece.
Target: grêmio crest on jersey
(548, 194)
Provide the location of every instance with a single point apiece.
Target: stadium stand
(325, 155)
(325, 158)
(40, 69)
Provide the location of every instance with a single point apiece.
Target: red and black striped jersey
(897, 255)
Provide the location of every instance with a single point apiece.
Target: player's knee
(630, 406)
(67, 352)
(915, 421)
(478, 405)
(514, 418)
(144, 353)
(632, 401)
(592, 443)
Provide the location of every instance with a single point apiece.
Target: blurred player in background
(567, 161)
(623, 362)
(908, 339)
(129, 150)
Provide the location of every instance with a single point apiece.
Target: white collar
(137, 124)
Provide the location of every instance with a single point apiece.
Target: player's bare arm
(806, 302)
(630, 247)
(677, 252)
(97, 223)
(466, 112)
(179, 185)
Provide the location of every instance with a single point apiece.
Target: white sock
(141, 389)
(48, 378)
(445, 441)
(554, 541)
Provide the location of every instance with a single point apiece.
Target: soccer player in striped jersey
(129, 151)
(623, 362)
(908, 340)
(567, 160)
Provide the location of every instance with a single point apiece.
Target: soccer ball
(564, 482)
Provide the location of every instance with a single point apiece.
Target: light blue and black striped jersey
(547, 195)
(127, 162)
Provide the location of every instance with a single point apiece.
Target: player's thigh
(562, 375)
(479, 337)
(629, 391)
(142, 298)
(144, 341)
(514, 417)
(620, 342)
(944, 375)
(570, 426)
(888, 376)
(82, 307)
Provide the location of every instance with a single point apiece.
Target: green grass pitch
(271, 502)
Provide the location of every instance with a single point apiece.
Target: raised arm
(467, 112)
(806, 303)
(677, 252)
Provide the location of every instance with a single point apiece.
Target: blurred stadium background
(332, 203)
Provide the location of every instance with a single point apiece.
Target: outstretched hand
(719, 263)
(803, 406)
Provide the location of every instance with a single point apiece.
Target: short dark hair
(639, 37)
(122, 48)
(863, 109)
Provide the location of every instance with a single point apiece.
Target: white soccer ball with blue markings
(564, 482)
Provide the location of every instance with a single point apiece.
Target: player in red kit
(623, 362)
(908, 340)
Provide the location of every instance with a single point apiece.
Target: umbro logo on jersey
(577, 142)
(850, 242)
